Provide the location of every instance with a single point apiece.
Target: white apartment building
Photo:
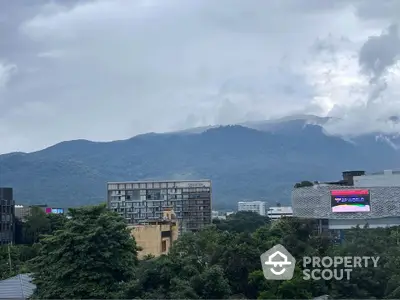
(278, 212)
(254, 206)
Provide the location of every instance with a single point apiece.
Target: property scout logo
(279, 264)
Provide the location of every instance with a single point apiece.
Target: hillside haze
(257, 161)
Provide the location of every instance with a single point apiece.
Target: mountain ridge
(242, 162)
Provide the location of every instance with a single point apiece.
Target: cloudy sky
(106, 70)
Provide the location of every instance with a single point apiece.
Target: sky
(106, 70)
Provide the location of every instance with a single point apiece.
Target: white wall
(381, 180)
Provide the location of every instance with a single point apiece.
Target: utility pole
(9, 258)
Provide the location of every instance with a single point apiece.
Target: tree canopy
(89, 257)
(92, 255)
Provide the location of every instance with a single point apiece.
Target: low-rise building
(155, 237)
(253, 206)
(277, 212)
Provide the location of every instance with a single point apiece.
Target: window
(164, 246)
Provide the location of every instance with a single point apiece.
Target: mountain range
(250, 161)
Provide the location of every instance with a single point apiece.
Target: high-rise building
(7, 219)
(253, 206)
(143, 201)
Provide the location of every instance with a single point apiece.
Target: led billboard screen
(50, 210)
(57, 210)
(343, 201)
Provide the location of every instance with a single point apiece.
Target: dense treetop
(92, 255)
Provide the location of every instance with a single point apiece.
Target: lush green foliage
(241, 162)
(243, 221)
(90, 257)
(93, 256)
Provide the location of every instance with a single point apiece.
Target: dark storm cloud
(380, 52)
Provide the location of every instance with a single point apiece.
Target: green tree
(304, 183)
(36, 224)
(91, 256)
(242, 221)
(18, 256)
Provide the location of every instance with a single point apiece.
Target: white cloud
(6, 72)
(107, 70)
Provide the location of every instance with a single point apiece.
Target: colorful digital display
(343, 201)
(50, 210)
(57, 210)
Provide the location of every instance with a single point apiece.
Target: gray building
(143, 201)
(7, 218)
(361, 200)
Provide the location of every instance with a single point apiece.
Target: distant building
(143, 201)
(358, 199)
(23, 211)
(215, 214)
(155, 237)
(253, 206)
(278, 212)
(7, 218)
